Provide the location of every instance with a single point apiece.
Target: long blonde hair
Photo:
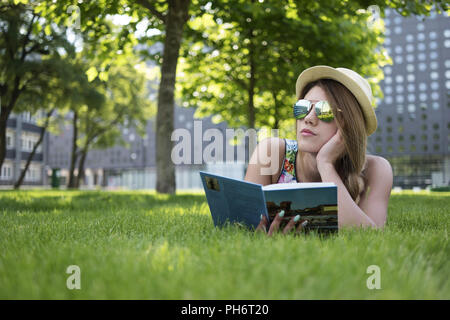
(350, 121)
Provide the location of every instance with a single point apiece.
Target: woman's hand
(331, 150)
(275, 226)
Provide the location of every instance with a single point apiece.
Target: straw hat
(352, 81)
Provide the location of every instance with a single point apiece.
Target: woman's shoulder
(274, 144)
(378, 167)
(269, 146)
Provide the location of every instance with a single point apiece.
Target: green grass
(141, 245)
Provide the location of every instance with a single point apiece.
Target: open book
(238, 201)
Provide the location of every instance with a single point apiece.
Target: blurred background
(92, 92)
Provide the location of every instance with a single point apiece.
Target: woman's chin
(307, 147)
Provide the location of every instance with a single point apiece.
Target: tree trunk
(276, 116)
(174, 22)
(4, 115)
(80, 175)
(74, 156)
(30, 157)
(251, 87)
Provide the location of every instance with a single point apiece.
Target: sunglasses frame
(319, 106)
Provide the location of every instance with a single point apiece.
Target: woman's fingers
(276, 223)
(262, 226)
(302, 225)
(291, 224)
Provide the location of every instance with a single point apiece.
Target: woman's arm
(372, 209)
(265, 161)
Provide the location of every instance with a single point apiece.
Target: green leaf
(91, 73)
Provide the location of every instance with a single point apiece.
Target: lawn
(142, 245)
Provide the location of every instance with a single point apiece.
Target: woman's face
(319, 131)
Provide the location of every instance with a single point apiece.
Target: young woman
(334, 116)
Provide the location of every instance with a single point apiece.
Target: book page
(298, 185)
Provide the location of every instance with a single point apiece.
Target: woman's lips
(307, 133)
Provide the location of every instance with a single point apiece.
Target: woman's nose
(311, 117)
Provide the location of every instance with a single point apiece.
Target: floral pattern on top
(287, 174)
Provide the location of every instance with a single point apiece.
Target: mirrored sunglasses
(323, 109)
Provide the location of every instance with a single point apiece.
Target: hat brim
(326, 72)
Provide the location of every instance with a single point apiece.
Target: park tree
(116, 103)
(169, 17)
(243, 57)
(31, 59)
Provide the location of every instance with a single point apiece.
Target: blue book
(241, 202)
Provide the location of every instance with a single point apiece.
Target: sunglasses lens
(324, 112)
(301, 108)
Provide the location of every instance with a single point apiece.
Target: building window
(421, 46)
(435, 95)
(6, 172)
(388, 89)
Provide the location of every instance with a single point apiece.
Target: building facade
(132, 164)
(414, 115)
(22, 133)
